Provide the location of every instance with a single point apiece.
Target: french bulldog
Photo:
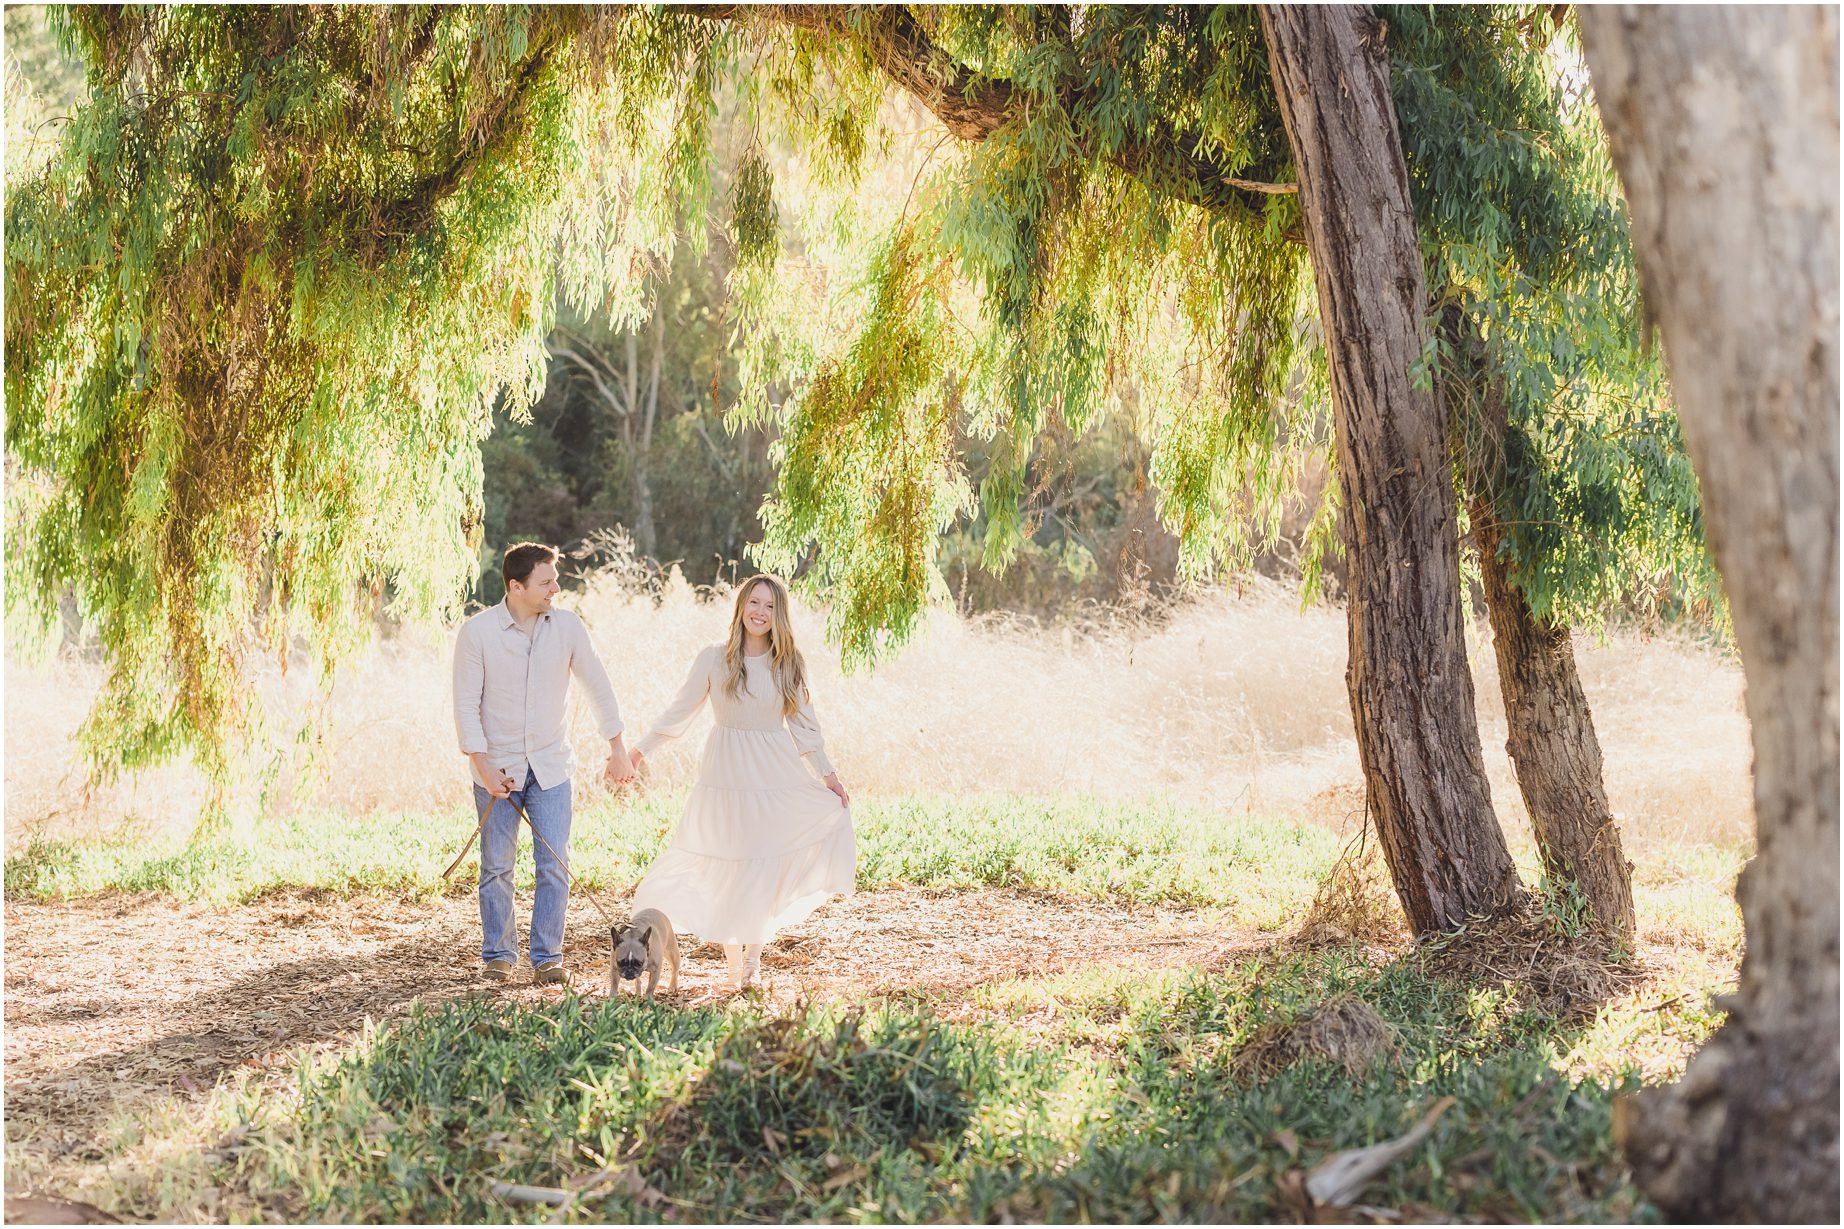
(645, 945)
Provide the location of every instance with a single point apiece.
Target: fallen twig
(1341, 1177)
(513, 1193)
(1528, 1099)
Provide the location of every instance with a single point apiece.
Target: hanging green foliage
(290, 261)
(1525, 232)
(867, 460)
(261, 307)
(1100, 244)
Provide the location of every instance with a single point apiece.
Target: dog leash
(575, 884)
(470, 843)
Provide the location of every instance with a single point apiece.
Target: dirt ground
(121, 999)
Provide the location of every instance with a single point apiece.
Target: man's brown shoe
(497, 970)
(548, 974)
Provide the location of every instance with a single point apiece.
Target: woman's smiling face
(759, 610)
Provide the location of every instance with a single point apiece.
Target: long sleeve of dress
(805, 727)
(678, 715)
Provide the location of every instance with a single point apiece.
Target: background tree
(667, 472)
(1571, 470)
(1423, 773)
(1725, 129)
(1116, 223)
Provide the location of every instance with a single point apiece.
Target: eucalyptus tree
(1581, 496)
(1407, 670)
(1725, 128)
(288, 262)
(1568, 456)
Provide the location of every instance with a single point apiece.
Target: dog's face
(631, 951)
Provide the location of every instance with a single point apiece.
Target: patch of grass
(891, 1114)
(1104, 1093)
(1137, 852)
(162, 1158)
(1144, 852)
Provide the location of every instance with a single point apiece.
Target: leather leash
(470, 842)
(575, 885)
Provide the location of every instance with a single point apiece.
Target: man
(513, 664)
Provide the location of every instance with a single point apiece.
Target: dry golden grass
(1563, 974)
(1355, 903)
(1234, 701)
(1344, 1029)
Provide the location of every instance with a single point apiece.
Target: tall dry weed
(1232, 701)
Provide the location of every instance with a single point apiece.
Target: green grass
(1101, 1093)
(890, 1114)
(1143, 852)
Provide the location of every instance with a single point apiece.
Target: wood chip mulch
(113, 1000)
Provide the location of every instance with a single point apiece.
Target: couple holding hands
(763, 841)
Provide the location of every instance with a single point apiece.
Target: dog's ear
(645, 936)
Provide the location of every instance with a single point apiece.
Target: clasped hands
(622, 765)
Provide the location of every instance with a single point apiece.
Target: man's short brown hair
(522, 558)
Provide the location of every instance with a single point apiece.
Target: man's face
(534, 596)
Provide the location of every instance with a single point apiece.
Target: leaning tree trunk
(1724, 125)
(1411, 692)
(1550, 738)
(1549, 729)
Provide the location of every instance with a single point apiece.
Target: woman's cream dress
(762, 843)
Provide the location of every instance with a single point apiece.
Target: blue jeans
(499, 849)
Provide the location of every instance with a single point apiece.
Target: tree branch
(973, 107)
(502, 121)
(608, 395)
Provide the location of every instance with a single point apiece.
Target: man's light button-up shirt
(511, 691)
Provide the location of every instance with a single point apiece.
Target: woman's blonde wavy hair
(785, 663)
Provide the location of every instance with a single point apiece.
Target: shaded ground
(125, 1015)
(119, 999)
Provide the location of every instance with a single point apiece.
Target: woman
(762, 843)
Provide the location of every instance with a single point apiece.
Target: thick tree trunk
(1411, 693)
(646, 535)
(1724, 123)
(1550, 730)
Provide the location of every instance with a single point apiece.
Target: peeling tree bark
(1724, 124)
(1550, 733)
(1551, 741)
(1411, 691)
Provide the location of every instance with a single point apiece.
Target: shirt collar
(507, 621)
